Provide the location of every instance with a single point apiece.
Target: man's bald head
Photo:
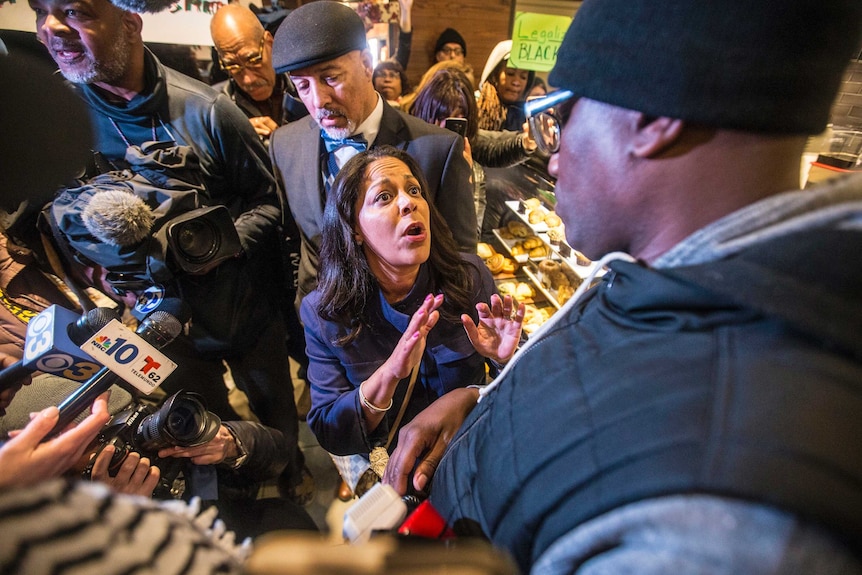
(245, 50)
(234, 21)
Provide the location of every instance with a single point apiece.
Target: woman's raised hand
(380, 387)
(499, 330)
(408, 353)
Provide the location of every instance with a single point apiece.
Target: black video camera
(194, 242)
(201, 239)
(182, 420)
(163, 233)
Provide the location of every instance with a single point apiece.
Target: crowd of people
(696, 410)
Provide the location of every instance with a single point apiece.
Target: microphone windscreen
(118, 218)
(177, 308)
(140, 6)
(159, 328)
(90, 323)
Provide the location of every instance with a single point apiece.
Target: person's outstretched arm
(405, 32)
(25, 458)
(422, 442)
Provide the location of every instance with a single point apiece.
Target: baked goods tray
(514, 205)
(535, 298)
(509, 243)
(541, 287)
(576, 260)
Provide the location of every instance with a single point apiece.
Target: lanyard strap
(379, 456)
(413, 375)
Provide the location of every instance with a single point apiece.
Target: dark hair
(447, 91)
(396, 66)
(345, 281)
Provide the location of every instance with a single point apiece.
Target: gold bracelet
(370, 405)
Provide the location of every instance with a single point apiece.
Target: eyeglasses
(253, 62)
(545, 121)
(456, 51)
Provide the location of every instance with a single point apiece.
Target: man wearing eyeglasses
(698, 410)
(244, 48)
(450, 45)
(134, 99)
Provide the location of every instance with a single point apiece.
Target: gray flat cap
(315, 33)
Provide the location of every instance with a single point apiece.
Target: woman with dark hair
(538, 89)
(398, 312)
(502, 91)
(448, 93)
(390, 80)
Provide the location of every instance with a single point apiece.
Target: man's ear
(655, 134)
(133, 22)
(367, 61)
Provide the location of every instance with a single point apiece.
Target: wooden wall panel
(482, 23)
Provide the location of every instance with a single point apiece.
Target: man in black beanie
(322, 46)
(697, 411)
(450, 45)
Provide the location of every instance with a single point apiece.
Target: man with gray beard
(134, 99)
(322, 46)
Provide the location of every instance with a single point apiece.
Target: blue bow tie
(357, 142)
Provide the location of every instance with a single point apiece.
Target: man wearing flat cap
(698, 410)
(322, 46)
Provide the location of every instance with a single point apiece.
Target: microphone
(118, 218)
(381, 508)
(158, 329)
(52, 345)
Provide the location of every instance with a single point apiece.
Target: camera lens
(182, 421)
(198, 240)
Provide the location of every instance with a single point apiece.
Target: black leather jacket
(498, 149)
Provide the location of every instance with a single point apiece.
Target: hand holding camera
(222, 447)
(136, 475)
(130, 445)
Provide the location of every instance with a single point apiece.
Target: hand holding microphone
(157, 330)
(28, 457)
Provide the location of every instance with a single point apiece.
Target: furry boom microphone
(118, 218)
(140, 6)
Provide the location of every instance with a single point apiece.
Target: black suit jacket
(297, 152)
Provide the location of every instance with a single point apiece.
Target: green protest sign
(536, 39)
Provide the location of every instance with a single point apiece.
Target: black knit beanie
(755, 65)
(315, 33)
(450, 36)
